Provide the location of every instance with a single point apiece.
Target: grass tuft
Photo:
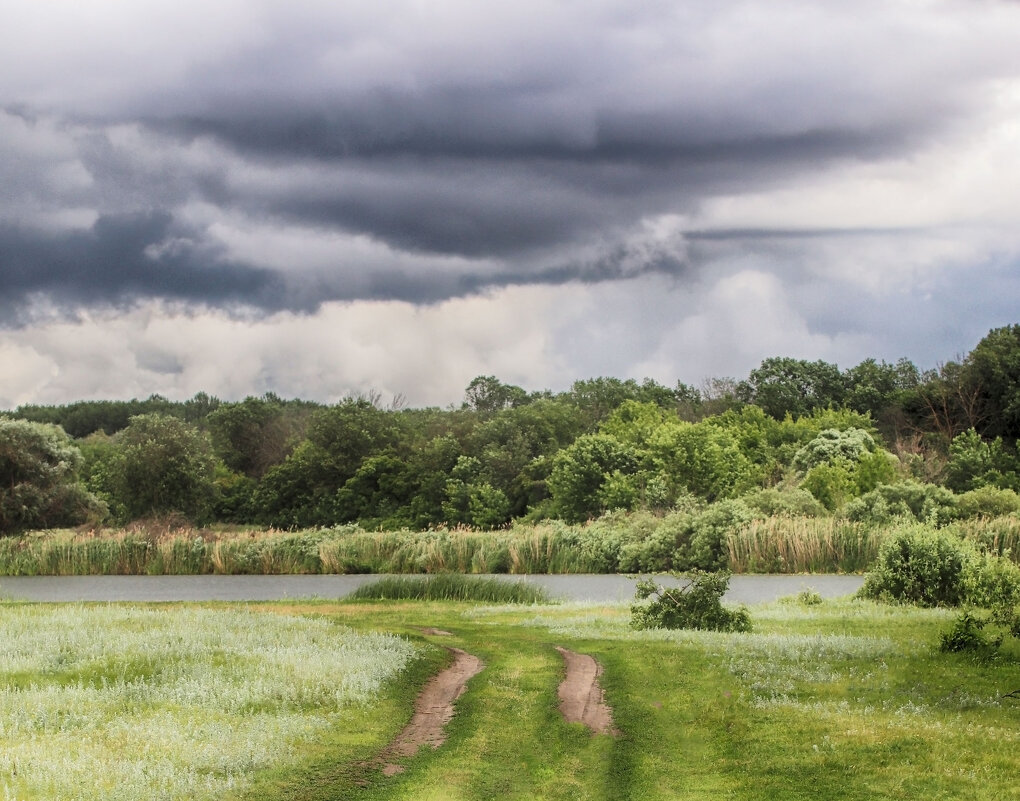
(452, 587)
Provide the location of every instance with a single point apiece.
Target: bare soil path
(432, 711)
(581, 696)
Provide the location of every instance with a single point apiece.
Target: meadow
(845, 699)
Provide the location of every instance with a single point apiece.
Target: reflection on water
(746, 589)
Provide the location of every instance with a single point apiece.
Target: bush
(967, 635)
(775, 502)
(990, 582)
(922, 502)
(695, 604)
(709, 532)
(833, 446)
(987, 502)
(919, 565)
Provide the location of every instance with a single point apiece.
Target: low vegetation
(640, 542)
(451, 587)
(846, 698)
(116, 702)
(694, 602)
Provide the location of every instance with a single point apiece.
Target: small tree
(39, 484)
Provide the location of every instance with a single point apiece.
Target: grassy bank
(840, 699)
(612, 544)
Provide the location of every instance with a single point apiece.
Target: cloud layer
(688, 184)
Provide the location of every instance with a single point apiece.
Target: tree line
(821, 435)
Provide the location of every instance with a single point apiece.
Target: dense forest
(795, 436)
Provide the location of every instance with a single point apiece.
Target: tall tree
(39, 485)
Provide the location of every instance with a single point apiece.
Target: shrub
(923, 502)
(967, 635)
(987, 502)
(710, 530)
(695, 604)
(919, 565)
(833, 446)
(990, 582)
(773, 502)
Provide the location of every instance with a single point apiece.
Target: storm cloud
(253, 160)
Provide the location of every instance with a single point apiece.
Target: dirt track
(432, 711)
(581, 697)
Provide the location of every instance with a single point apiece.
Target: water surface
(745, 589)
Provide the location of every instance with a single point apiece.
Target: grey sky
(315, 198)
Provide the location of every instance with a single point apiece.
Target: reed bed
(803, 545)
(777, 544)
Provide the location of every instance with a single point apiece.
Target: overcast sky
(318, 198)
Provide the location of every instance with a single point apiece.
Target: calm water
(746, 589)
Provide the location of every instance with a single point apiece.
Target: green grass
(841, 700)
(845, 699)
(451, 587)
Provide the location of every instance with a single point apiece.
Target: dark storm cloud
(529, 143)
(119, 260)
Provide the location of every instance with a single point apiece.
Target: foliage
(39, 482)
(834, 446)
(918, 565)
(581, 470)
(993, 369)
(710, 531)
(975, 463)
(783, 501)
(968, 636)
(253, 435)
(911, 499)
(695, 604)
(163, 465)
(784, 386)
(451, 587)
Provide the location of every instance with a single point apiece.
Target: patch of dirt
(436, 632)
(432, 711)
(581, 696)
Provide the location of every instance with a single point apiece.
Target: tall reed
(803, 545)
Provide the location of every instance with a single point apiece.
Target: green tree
(486, 394)
(581, 470)
(39, 483)
(253, 435)
(975, 462)
(783, 386)
(993, 370)
(164, 465)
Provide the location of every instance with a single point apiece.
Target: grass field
(842, 700)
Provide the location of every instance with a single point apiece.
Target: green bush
(710, 531)
(919, 565)
(774, 502)
(990, 582)
(987, 502)
(39, 478)
(968, 636)
(695, 604)
(923, 502)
